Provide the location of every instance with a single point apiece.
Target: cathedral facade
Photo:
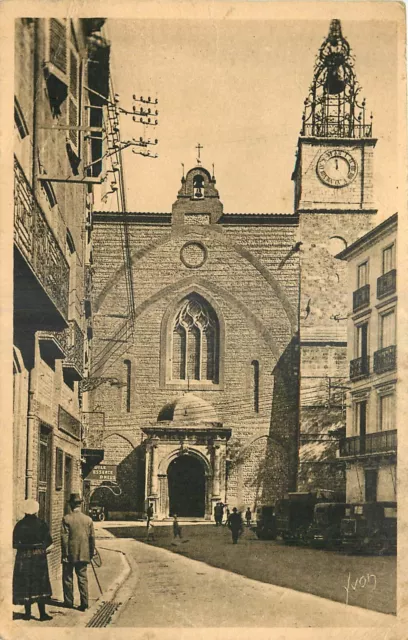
(210, 365)
(219, 339)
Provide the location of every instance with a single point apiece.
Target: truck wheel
(101, 517)
(381, 546)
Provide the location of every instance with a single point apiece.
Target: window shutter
(73, 76)
(58, 45)
(388, 330)
(73, 122)
(388, 259)
(387, 412)
(73, 103)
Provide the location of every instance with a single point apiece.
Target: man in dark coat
(217, 514)
(235, 524)
(77, 548)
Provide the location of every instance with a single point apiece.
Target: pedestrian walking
(176, 527)
(149, 514)
(218, 513)
(31, 581)
(235, 524)
(248, 517)
(77, 547)
(228, 513)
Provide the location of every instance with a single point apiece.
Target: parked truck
(325, 529)
(294, 515)
(370, 527)
(265, 528)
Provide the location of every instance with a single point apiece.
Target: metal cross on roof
(199, 147)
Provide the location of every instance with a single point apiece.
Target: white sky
(238, 87)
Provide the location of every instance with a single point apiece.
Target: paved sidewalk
(111, 574)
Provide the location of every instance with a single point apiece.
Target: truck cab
(370, 527)
(294, 516)
(325, 530)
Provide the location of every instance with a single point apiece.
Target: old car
(325, 530)
(370, 527)
(294, 516)
(98, 512)
(265, 527)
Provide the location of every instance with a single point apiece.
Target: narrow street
(167, 589)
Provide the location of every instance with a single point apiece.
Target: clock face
(336, 168)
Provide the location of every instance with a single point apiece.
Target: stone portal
(186, 459)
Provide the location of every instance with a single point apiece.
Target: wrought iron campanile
(333, 107)
(334, 198)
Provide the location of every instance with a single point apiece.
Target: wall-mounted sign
(103, 472)
(68, 423)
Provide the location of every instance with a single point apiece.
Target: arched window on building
(195, 341)
(128, 373)
(255, 384)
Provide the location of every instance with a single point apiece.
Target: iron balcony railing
(359, 368)
(337, 130)
(385, 359)
(387, 284)
(361, 297)
(371, 443)
(37, 243)
(75, 347)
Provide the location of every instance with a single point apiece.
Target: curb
(112, 590)
(109, 594)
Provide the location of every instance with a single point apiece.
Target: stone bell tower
(198, 201)
(333, 179)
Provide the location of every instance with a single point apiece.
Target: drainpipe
(36, 105)
(31, 419)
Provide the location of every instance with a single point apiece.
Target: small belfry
(333, 107)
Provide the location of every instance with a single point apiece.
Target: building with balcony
(57, 164)
(370, 446)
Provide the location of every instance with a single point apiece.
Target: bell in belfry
(198, 185)
(335, 82)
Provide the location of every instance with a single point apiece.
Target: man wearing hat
(77, 547)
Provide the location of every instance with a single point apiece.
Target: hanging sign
(103, 472)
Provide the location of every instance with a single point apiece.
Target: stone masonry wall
(253, 292)
(323, 329)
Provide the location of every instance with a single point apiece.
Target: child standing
(176, 527)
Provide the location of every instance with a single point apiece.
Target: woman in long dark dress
(31, 581)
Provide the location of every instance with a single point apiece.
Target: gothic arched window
(195, 342)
